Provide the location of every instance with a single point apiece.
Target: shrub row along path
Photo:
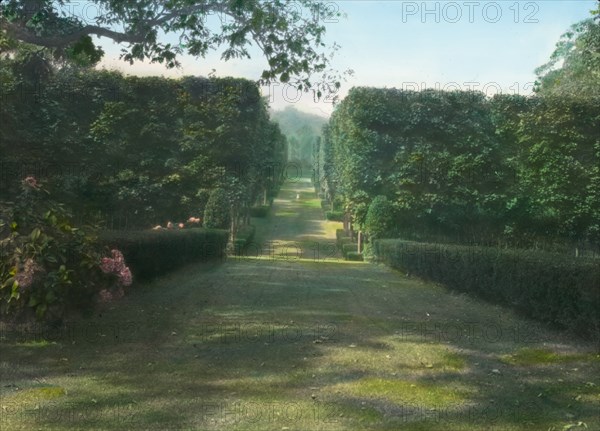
(295, 338)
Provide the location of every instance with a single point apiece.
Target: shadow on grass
(261, 344)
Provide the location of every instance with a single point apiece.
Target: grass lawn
(296, 338)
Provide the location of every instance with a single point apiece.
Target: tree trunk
(360, 241)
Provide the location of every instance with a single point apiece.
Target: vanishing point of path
(292, 337)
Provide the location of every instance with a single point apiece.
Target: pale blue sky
(464, 44)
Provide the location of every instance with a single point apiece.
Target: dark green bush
(379, 222)
(344, 241)
(261, 211)
(340, 233)
(334, 215)
(348, 248)
(48, 266)
(354, 256)
(551, 288)
(325, 205)
(217, 212)
(244, 236)
(153, 253)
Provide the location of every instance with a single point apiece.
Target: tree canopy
(289, 34)
(574, 66)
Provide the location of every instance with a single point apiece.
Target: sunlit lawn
(298, 344)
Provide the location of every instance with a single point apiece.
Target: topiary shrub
(244, 237)
(354, 256)
(379, 222)
(334, 215)
(343, 241)
(217, 213)
(348, 248)
(261, 211)
(340, 233)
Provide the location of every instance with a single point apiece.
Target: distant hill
(301, 129)
(291, 121)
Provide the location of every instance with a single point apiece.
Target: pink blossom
(169, 225)
(125, 277)
(157, 227)
(108, 265)
(30, 181)
(116, 265)
(181, 225)
(119, 260)
(26, 276)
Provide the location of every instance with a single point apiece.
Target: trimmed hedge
(380, 220)
(348, 248)
(261, 211)
(343, 241)
(334, 215)
(354, 256)
(216, 212)
(153, 253)
(325, 206)
(551, 288)
(340, 233)
(244, 236)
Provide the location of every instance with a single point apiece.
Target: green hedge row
(334, 215)
(354, 256)
(348, 248)
(152, 253)
(244, 236)
(260, 211)
(551, 288)
(325, 206)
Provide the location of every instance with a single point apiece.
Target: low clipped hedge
(344, 241)
(261, 211)
(334, 215)
(348, 248)
(354, 256)
(340, 233)
(561, 291)
(244, 236)
(152, 253)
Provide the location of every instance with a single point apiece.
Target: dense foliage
(564, 292)
(510, 169)
(47, 265)
(123, 153)
(379, 221)
(289, 33)
(145, 150)
(460, 167)
(217, 212)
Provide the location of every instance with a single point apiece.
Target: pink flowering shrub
(191, 222)
(48, 266)
(116, 267)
